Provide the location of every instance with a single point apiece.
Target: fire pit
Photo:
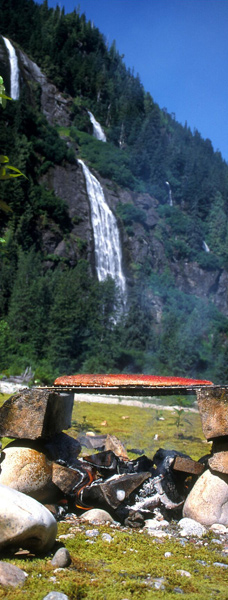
(129, 489)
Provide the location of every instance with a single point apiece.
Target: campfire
(46, 464)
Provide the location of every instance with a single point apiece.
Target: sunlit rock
(24, 522)
(96, 515)
(28, 471)
(35, 413)
(191, 527)
(212, 405)
(112, 443)
(207, 502)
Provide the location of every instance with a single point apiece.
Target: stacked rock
(35, 419)
(208, 499)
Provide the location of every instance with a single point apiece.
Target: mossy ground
(128, 566)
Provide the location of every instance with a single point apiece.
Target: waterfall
(170, 193)
(14, 70)
(97, 129)
(205, 247)
(108, 255)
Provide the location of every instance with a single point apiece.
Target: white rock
(190, 527)
(96, 515)
(106, 537)
(208, 499)
(24, 522)
(183, 573)
(218, 528)
(156, 524)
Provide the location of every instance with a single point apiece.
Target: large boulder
(28, 471)
(207, 502)
(24, 522)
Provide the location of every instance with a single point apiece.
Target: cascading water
(170, 194)
(108, 255)
(14, 70)
(206, 247)
(97, 129)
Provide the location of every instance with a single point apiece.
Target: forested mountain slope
(166, 186)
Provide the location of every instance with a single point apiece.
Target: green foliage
(129, 213)
(107, 160)
(61, 319)
(3, 96)
(5, 169)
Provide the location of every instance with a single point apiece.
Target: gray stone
(65, 479)
(208, 500)
(55, 106)
(24, 522)
(92, 533)
(11, 576)
(61, 558)
(190, 527)
(28, 471)
(35, 413)
(96, 516)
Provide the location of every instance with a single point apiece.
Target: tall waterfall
(108, 255)
(97, 129)
(170, 193)
(14, 70)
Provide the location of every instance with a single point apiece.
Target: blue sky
(179, 48)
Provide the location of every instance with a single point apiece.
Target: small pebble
(183, 573)
(61, 558)
(106, 537)
(92, 532)
(158, 584)
(168, 554)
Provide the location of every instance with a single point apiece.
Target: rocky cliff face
(141, 246)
